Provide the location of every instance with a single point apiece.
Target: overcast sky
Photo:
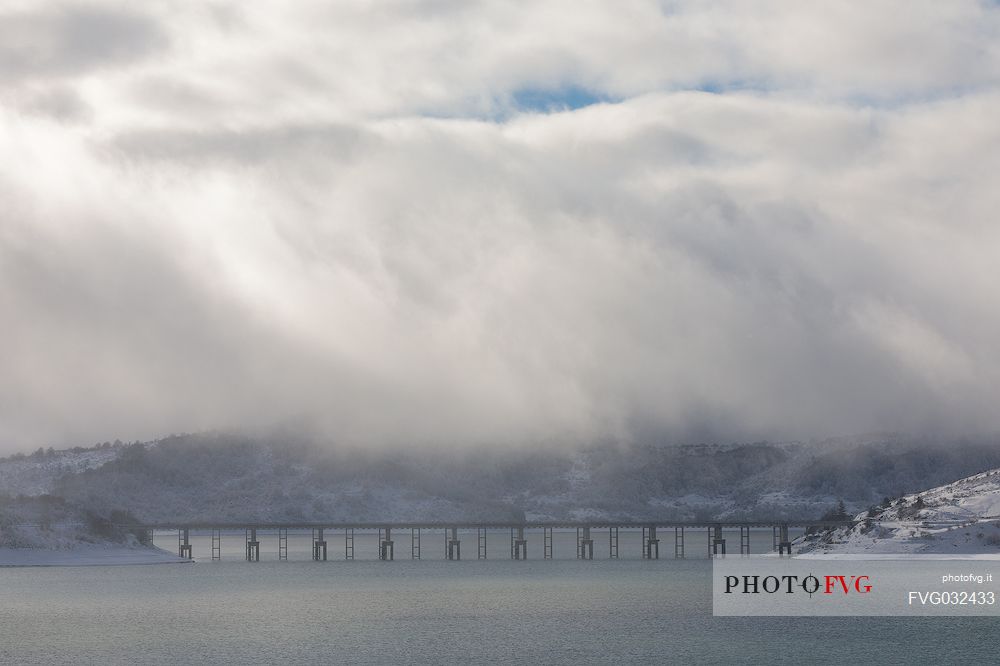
(497, 222)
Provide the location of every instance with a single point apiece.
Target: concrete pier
(453, 547)
(584, 544)
(716, 544)
(282, 543)
(518, 544)
(319, 545)
(184, 544)
(386, 547)
(650, 544)
(253, 545)
(784, 543)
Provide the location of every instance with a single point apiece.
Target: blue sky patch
(555, 99)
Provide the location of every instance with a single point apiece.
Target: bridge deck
(460, 524)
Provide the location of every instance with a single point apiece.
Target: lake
(561, 611)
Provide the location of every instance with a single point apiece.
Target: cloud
(343, 214)
(73, 39)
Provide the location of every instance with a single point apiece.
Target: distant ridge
(233, 477)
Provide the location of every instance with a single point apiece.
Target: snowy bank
(86, 555)
(960, 519)
(814, 555)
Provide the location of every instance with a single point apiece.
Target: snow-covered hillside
(37, 474)
(956, 518)
(231, 477)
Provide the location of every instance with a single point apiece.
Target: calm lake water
(562, 611)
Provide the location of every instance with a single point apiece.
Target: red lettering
(831, 583)
(845, 583)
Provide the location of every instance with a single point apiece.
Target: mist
(230, 218)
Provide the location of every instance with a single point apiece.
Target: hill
(962, 517)
(230, 477)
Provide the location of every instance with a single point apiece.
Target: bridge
(518, 542)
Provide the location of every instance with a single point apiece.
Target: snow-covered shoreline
(86, 556)
(957, 520)
(898, 556)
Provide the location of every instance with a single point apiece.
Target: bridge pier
(547, 543)
(319, 545)
(253, 545)
(679, 543)
(216, 544)
(453, 547)
(184, 544)
(414, 543)
(481, 534)
(349, 543)
(744, 539)
(784, 543)
(282, 544)
(386, 546)
(518, 545)
(716, 544)
(584, 544)
(650, 544)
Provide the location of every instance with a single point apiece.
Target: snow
(73, 544)
(37, 475)
(86, 555)
(898, 556)
(960, 519)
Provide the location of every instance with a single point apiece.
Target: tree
(841, 510)
(838, 512)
